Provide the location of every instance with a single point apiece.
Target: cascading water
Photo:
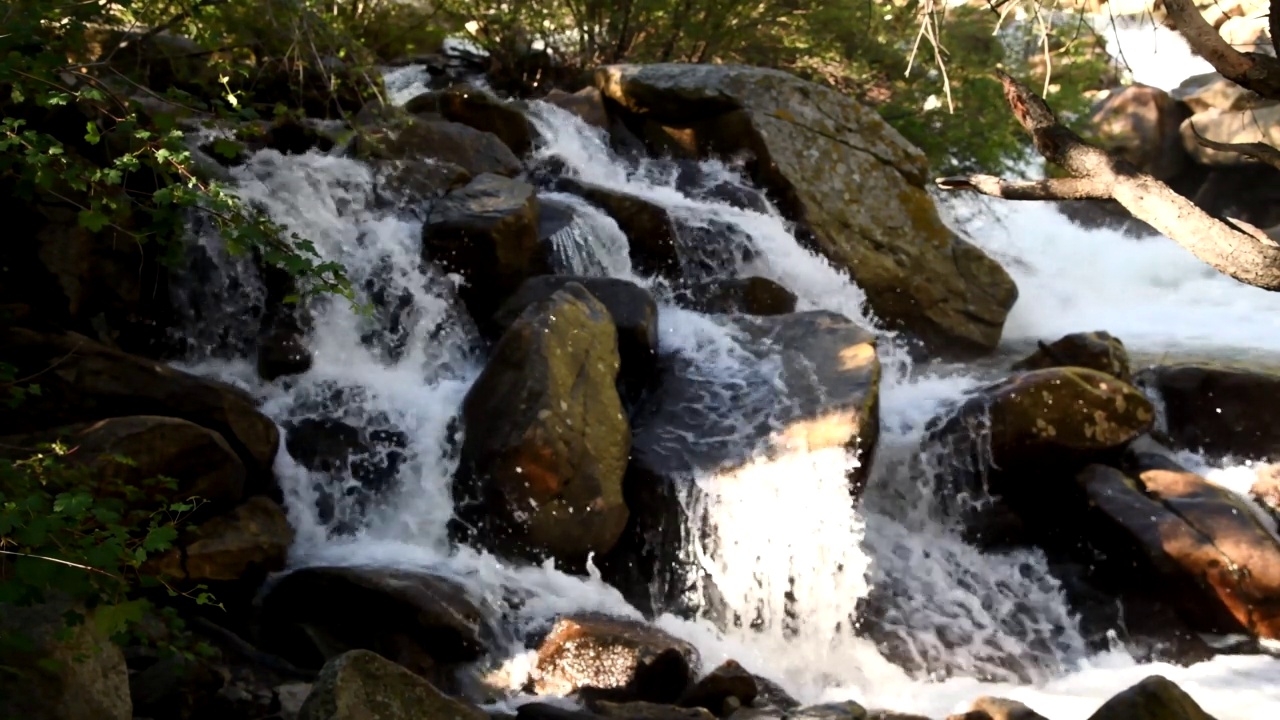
(776, 536)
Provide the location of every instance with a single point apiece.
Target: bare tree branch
(1256, 150)
(1230, 249)
(1257, 72)
(1052, 189)
(1273, 25)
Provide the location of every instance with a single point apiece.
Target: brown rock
(361, 685)
(616, 658)
(82, 381)
(415, 139)
(714, 690)
(994, 708)
(1094, 350)
(483, 111)
(649, 711)
(586, 103)
(1219, 409)
(650, 232)
(1140, 124)
(251, 540)
(752, 295)
(1266, 491)
(1258, 124)
(1155, 698)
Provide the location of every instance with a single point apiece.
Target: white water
(772, 519)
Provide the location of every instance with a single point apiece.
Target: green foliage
(873, 50)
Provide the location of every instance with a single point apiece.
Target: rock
(360, 685)
(729, 680)
(1140, 124)
(852, 181)
(650, 231)
(1155, 698)
(546, 440)
(614, 659)
(1220, 93)
(411, 616)
(413, 139)
(283, 353)
(752, 296)
(198, 459)
(847, 710)
(175, 686)
(1259, 124)
(415, 185)
(697, 422)
(1209, 551)
(51, 676)
(251, 541)
(371, 457)
(994, 708)
(632, 308)
(1097, 350)
(81, 381)
(1218, 409)
(649, 711)
(1266, 491)
(586, 103)
(480, 110)
(1248, 192)
(1248, 35)
(487, 232)
(890, 715)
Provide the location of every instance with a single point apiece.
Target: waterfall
(787, 553)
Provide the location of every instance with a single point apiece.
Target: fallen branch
(1255, 71)
(1095, 174)
(1256, 150)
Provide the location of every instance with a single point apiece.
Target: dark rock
(695, 421)
(729, 680)
(753, 296)
(649, 711)
(413, 139)
(614, 659)
(634, 313)
(586, 103)
(650, 231)
(371, 457)
(414, 186)
(81, 381)
(1219, 410)
(176, 686)
(412, 617)
(487, 232)
(1094, 350)
(480, 110)
(360, 685)
(243, 545)
(283, 353)
(847, 710)
(1155, 698)
(546, 441)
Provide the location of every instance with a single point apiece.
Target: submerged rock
(1218, 409)
(724, 687)
(546, 439)
(1098, 350)
(848, 177)
(751, 295)
(361, 685)
(1155, 698)
(410, 616)
(615, 659)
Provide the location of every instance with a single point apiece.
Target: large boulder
(547, 440)
(613, 658)
(587, 104)
(416, 618)
(751, 295)
(478, 109)
(1154, 698)
(120, 454)
(243, 545)
(361, 685)
(848, 177)
(487, 232)
(1140, 124)
(81, 381)
(650, 231)
(1219, 409)
(802, 382)
(634, 313)
(415, 139)
(1210, 551)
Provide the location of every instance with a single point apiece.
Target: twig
(1257, 150)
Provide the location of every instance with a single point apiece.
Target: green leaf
(112, 620)
(160, 538)
(93, 220)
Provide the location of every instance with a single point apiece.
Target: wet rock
(1219, 409)
(414, 139)
(632, 308)
(81, 381)
(586, 103)
(851, 180)
(800, 382)
(198, 459)
(649, 711)
(412, 617)
(614, 659)
(414, 186)
(1097, 350)
(1220, 565)
(282, 353)
(250, 541)
(890, 715)
(650, 231)
(994, 708)
(478, 109)
(1266, 491)
(487, 232)
(360, 684)
(52, 675)
(372, 457)
(847, 710)
(1155, 698)
(752, 296)
(1140, 124)
(175, 686)
(547, 441)
(714, 690)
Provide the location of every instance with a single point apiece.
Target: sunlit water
(775, 526)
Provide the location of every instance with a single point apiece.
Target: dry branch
(1256, 150)
(1232, 250)
(1257, 72)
